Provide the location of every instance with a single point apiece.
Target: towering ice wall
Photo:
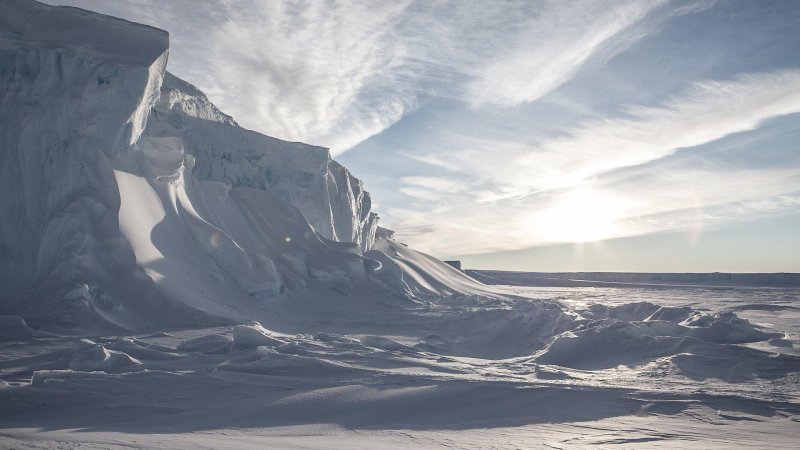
(76, 89)
(111, 219)
(332, 200)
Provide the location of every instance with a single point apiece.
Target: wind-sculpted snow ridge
(332, 200)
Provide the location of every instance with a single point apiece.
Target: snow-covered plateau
(170, 279)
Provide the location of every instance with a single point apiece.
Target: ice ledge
(30, 24)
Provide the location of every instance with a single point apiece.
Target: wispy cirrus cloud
(335, 73)
(610, 177)
(320, 72)
(703, 112)
(552, 48)
(438, 184)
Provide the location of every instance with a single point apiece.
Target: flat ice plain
(559, 367)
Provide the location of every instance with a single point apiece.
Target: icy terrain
(169, 279)
(563, 367)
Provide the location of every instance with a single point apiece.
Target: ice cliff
(76, 89)
(130, 200)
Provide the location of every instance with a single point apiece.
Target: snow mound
(268, 361)
(731, 364)
(626, 312)
(141, 350)
(725, 328)
(420, 275)
(700, 339)
(608, 344)
(254, 335)
(672, 313)
(382, 343)
(212, 343)
(88, 356)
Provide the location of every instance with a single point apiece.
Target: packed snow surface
(566, 366)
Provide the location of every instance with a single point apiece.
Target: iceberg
(132, 202)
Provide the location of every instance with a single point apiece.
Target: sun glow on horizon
(581, 216)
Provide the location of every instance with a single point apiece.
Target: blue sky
(505, 133)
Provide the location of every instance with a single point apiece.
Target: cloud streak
(706, 111)
(703, 112)
(553, 47)
(611, 177)
(335, 73)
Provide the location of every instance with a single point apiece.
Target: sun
(581, 216)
